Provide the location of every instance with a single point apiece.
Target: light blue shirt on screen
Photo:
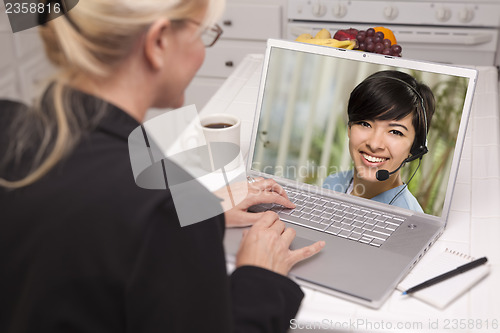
(340, 182)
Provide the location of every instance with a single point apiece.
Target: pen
(447, 275)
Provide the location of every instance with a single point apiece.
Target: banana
(304, 37)
(323, 34)
(323, 37)
(354, 43)
(345, 44)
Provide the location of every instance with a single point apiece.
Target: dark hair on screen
(388, 95)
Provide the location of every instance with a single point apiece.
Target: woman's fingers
(240, 218)
(251, 218)
(267, 220)
(261, 191)
(298, 255)
(269, 185)
(268, 191)
(288, 236)
(278, 226)
(268, 197)
(267, 245)
(244, 234)
(305, 252)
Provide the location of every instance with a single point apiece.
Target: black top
(86, 250)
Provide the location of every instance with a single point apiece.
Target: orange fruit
(387, 34)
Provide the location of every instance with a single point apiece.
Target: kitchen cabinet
(247, 25)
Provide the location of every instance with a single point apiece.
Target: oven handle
(445, 38)
(440, 38)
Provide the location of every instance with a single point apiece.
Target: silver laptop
(299, 138)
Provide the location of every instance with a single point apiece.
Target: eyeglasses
(210, 35)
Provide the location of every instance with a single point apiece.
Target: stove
(458, 31)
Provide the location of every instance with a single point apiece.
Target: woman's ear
(156, 43)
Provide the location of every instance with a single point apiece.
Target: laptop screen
(304, 134)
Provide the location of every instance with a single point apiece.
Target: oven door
(471, 46)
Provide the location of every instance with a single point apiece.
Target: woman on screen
(389, 115)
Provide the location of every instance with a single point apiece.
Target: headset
(422, 149)
(383, 174)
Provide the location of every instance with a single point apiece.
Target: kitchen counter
(473, 227)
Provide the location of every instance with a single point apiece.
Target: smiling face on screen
(380, 144)
(386, 126)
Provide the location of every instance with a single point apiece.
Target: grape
(370, 40)
(361, 36)
(379, 47)
(396, 49)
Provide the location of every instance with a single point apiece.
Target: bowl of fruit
(379, 40)
(323, 37)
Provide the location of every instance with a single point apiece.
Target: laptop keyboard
(337, 218)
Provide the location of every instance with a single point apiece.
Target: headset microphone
(382, 175)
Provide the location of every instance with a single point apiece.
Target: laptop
(299, 139)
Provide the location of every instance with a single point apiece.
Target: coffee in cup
(222, 135)
(218, 125)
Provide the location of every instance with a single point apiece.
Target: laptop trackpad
(300, 242)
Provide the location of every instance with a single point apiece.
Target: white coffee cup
(222, 135)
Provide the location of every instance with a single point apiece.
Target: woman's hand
(267, 244)
(259, 192)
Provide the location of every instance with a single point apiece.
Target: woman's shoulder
(407, 200)
(8, 109)
(7, 104)
(338, 181)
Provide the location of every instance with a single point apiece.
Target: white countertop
(473, 227)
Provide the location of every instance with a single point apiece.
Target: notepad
(443, 293)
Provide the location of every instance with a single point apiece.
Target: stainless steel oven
(458, 31)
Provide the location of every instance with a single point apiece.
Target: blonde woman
(86, 250)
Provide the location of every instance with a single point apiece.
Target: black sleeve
(263, 301)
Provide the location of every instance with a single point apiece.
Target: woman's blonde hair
(90, 41)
